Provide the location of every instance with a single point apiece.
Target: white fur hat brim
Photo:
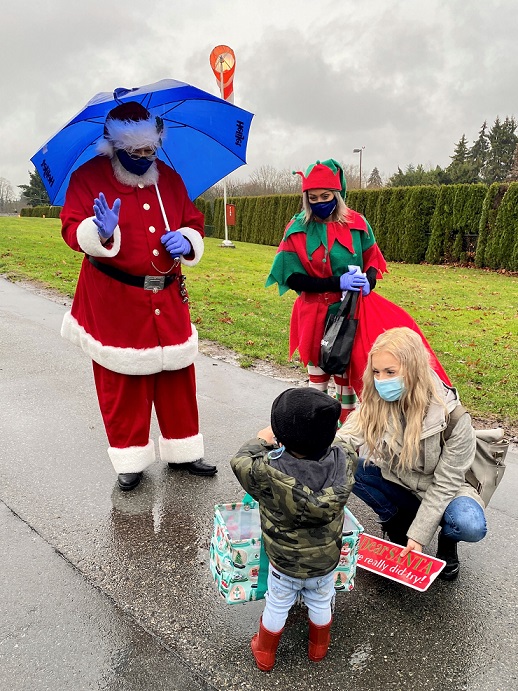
(129, 135)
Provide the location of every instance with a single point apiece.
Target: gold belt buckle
(154, 283)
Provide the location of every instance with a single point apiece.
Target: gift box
(239, 565)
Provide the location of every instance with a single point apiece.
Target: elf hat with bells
(130, 126)
(325, 175)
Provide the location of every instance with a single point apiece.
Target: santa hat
(130, 126)
(325, 175)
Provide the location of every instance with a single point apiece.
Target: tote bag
(239, 565)
(337, 342)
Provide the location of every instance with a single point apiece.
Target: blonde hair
(341, 214)
(403, 419)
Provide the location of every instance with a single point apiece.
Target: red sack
(376, 315)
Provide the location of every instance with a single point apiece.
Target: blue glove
(106, 219)
(176, 244)
(352, 280)
(366, 289)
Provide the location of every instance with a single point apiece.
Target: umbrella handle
(167, 226)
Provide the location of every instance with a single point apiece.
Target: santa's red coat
(124, 328)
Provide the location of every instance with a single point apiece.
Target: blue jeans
(463, 520)
(318, 594)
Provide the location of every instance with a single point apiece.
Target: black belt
(154, 283)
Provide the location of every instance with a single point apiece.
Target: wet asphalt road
(104, 590)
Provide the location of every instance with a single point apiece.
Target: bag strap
(454, 417)
(262, 580)
(348, 304)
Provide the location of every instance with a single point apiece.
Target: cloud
(403, 79)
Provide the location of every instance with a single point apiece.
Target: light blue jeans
(318, 595)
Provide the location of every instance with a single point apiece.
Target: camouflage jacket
(301, 528)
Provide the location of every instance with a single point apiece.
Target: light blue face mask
(390, 389)
(276, 453)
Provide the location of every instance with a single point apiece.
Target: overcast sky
(403, 78)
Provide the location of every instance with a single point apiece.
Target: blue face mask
(323, 209)
(390, 389)
(136, 166)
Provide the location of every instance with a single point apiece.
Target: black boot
(397, 526)
(198, 467)
(447, 551)
(128, 481)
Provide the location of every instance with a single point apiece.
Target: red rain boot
(319, 639)
(264, 647)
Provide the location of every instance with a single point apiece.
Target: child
(302, 484)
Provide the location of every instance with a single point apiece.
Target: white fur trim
(181, 450)
(132, 459)
(131, 360)
(197, 243)
(89, 239)
(130, 135)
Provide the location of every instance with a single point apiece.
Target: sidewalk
(104, 590)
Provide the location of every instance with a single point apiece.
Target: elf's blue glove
(106, 219)
(352, 280)
(176, 244)
(366, 289)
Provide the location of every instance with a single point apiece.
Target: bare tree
(6, 195)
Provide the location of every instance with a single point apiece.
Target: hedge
(411, 224)
(41, 211)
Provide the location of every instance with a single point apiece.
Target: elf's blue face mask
(390, 389)
(323, 209)
(137, 166)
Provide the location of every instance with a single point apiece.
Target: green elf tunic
(321, 250)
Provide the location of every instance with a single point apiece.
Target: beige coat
(438, 476)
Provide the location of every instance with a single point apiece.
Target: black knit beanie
(305, 420)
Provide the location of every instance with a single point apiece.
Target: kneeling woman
(412, 478)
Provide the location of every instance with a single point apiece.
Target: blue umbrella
(206, 136)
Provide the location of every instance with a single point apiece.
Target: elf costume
(310, 260)
(322, 251)
(130, 312)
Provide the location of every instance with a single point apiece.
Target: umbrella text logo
(239, 132)
(46, 172)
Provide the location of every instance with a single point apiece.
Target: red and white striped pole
(223, 63)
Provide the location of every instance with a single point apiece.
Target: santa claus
(130, 215)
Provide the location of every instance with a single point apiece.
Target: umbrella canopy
(206, 137)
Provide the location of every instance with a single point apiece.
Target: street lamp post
(360, 151)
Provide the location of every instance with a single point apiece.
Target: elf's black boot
(447, 551)
(397, 527)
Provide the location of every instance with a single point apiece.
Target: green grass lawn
(469, 316)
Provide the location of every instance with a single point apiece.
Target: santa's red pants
(126, 403)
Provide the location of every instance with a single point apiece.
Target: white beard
(123, 176)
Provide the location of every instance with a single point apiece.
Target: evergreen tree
(486, 236)
(512, 175)
(478, 153)
(441, 224)
(461, 169)
(500, 254)
(416, 223)
(35, 191)
(467, 209)
(394, 225)
(381, 216)
(503, 140)
(374, 180)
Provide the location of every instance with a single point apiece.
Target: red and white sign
(416, 570)
(223, 63)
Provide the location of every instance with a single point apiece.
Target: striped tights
(318, 379)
